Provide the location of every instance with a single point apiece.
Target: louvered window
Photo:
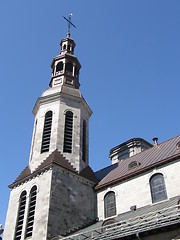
(46, 132)
(109, 204)
(68, 130)
(20, 218)
(84, 142)
(31, 212)
(158, 188)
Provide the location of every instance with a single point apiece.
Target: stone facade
(136, 190)
(43, 183)
(59, 100)
(72, 204)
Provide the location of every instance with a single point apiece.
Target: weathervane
(69, 24)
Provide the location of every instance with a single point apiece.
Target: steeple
(61, 113)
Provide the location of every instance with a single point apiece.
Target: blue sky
(130, 76)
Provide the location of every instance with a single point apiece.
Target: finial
(69, 24)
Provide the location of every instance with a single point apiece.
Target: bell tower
(61, 113)
(55, 193)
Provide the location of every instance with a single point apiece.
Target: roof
(89, 174)
(147, 159)
(151, 217)
(103, 172)
(56, 158)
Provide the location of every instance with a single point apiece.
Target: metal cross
(69, 24)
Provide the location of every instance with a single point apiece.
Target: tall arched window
(20, 217)
(84, 142)
(31, 211)
(46, 132)
(59, 66)
(109, 204)
(68, 130)
(158, 188)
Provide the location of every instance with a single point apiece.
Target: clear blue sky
(130, 76)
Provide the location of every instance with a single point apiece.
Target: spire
(69, 24)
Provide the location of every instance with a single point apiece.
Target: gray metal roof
(155, 216)
(164, 152)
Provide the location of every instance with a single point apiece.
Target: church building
(58, 196)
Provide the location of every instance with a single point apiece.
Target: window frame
(20, 215)
(157, 188)
(110, 204)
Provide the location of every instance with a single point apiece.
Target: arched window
(158, 188)
(59, 66)
(109, 204)
(68, 130)
(31, 211)
(69, 67)
(46, 132)
(84, 142)
(20, 217)
(64, 47)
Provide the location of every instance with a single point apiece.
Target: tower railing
(149, 221)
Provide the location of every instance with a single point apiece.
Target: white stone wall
(136, 191)
(59, 106)
(43, 183)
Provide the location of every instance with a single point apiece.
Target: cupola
(65, 66)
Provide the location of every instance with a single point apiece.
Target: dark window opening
(84, 142)
(76, 72)
(46, 132)
(20, 218)
(64, 47)
(31, 212)
(69, 67)
(59, 67)
(68, 130)
(69, 47)
(109, 204)
(158, 188)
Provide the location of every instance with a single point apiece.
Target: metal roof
(147, 159)
(148, 218)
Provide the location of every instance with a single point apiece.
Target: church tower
(61, 113)
(54, 194)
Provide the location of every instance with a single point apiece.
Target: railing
(142, 223)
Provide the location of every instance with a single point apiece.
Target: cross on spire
(69, 24)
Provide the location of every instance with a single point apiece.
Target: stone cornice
(60, 96)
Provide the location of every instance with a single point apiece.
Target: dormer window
(178, 146)
(133, 165)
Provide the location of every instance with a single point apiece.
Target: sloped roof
(162, 210)
(54, 158)
(164, 152)
(89, 174)
(103, 172)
